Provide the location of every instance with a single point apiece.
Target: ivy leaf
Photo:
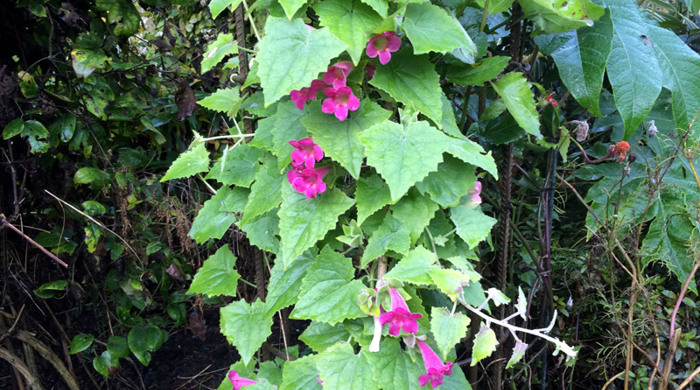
(473, 226)
(393, 368)
(447, 328)
(411, 79)
(238, 166)
(561, 15)
(517, 96)
(193, 161)
(224, 45)
(123, 13)
(390, 235)
(319, 336)
(301, 374)
(291, 56)
(266, 192)
(431, 28)
(449, 183)
(341, 368)
(223, 100)
(414, 211)
(414, 267)
(351, 22)
(287, 127)
(339, 140)
(246, 327)
(217, 275)
(305, 221)
(212, 221)
(329, 292)
(372, 194)
(285, 284)
(484, 344)
(404, 155)
(518, 353)
(581, 56)
(633, 69)
(218, 6)
(291, 7)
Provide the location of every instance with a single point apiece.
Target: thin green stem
(252, 21)
(231, 136)
(483, 16)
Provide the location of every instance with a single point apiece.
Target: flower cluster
(339, 97)
(304, 177)
(620, 150)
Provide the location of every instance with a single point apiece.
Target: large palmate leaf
(393, 368)
(301, 374)
(414, 211)
(581, 56)
(633, 69)
(265, 193)
(449, 183)
(515, 91)
(224, 100)
(372, 194)
(291, 6)
(561, 15)
(473, 153)
(217, 275)
(319, 335)
(431, 28)
(351, 21)
(285, 284)
(404, 155)
(339, 140)
(390, 235)
(411, 79)
(414, 267)
(238, 166)
(341, 368)
(488, 69)
(246, 326)
(305, 221)
(473, 226)
(291, 56)
(328, 292)
(448, 328)
(193, 161)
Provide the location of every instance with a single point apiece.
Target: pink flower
(339, 101)
(239, 382)
(337, 74)
(475, 193)
(383, 45)
(306, 153)
(320, 382)
(308, 181)
(399, 317)
(434, 367)
(300, 97)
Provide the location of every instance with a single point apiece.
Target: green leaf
(123, 13)
(518, 353)
(681, 68)
(237, 166)
(224, 45)
(223, 100)
(633, 69)
(561, 15)
(404, 155)
(195, 160)
(89, 175)
(212, 221)
(339, 140)
(285, 284)
(81, 342)
(329, 292)
(447, 328)
(13, 128)
(581, 56)
(411, 79)
(484, 344)
(393, 368)
(341, 368)
(291, 7)
(351, 22)
(381, 6)
(319, 336)
(236, 200)
(449, 183)
(92, 207)
(300, 374)
(34, 128)
(86, 61)
(431, 28)
(145, 339)
(473, 226)
(266, 192)
(372, 194)
(217, 276)
(65, 127)
(263, 231)
(449, 123)
(305, 221)
(288, 127)
(390, 235)
(414, 211)
(246, 327)
(449, 281)
(515, 91)
(414, 267)
(218, 6)
(102, 363)
(118, 347)
(291, 56)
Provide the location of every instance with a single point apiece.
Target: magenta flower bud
(399, 317)
(306, 153)
(383, 45)
(238, 381)
(475, 193)
(339, 101)
(434, 367)
(337, 74)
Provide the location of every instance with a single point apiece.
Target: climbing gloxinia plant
(369, 200)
